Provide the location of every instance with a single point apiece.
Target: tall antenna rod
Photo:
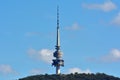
(58, 16)
(58, 32)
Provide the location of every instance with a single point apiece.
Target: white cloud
(116, 20)
(35, 71)
(73, 70)
(6, 69)
(74, 27)
(45, 55)
(106, 6)
(113, 56)
(115, 53)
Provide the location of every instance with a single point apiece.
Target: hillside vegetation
(76, 76)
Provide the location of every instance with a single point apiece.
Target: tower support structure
(58, 61)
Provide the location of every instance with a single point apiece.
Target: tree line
(76, 76)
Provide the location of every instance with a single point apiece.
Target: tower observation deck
(58, 61)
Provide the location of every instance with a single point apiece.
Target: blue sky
(89, 29)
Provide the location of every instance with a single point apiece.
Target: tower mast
(58, 32)
(58, 54)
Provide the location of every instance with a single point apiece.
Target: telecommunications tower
(58, 61)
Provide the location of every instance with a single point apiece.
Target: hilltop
(76, 76)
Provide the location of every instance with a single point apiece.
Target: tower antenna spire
(58, 32)
(58, 61)
(57, 15)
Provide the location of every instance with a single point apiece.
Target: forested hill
(76, 76)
